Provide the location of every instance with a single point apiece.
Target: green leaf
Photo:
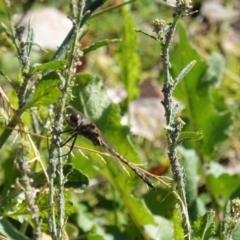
(167, 203)
(21, 210)
(49, 66)
(204, 227)
(224, 183)
(99, 44)
(71, 230)
(75, 179)
(94, 237)
(88, 220)
(187, 136)
(30, 36)
(133, 232)
(128, 58)
(164, 229)
(195, 92)
(215, 169)
(218, 100)
(190, 164)
(236, 234)
(104, 203)
(9, 231)
(43, 203)
(178, 221)
(184, 72)
(46, 93)
(93, 101)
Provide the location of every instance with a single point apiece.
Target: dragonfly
(81, 125)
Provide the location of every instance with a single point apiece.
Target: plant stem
(165, 33)
(67, 76)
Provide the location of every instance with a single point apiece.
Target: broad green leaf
(75, 179)
(43, 203)
(215, 169)
(71, 230)
(236, 234)
(133, 231)
(128, 58)
(93, 101)
(88, 221)
(204, 227)
(224, 183)
(9, 231)
(163, 231)
(195, 92)
(99, 44)
(10, 179)
(190, 163)
(46, 93)
(167, 203)
(49, 66)
(104, 203)
(219, 181)
(95, 237)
